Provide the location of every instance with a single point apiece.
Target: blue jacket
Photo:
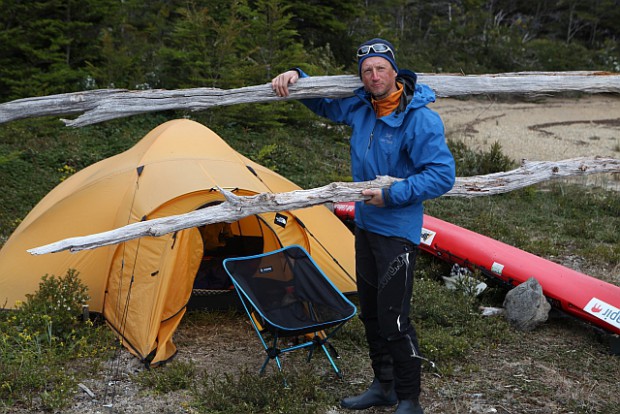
(409, 143)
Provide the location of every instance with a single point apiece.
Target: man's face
(378, 77)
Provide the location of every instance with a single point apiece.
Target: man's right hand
(280, 83)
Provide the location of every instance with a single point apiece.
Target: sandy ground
(541, 129)
(546, 129)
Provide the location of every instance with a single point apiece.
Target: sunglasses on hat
(376, 48)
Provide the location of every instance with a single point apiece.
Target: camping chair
(285, 294)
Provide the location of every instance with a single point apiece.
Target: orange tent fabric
(142, 286)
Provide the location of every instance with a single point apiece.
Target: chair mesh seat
(289, 294)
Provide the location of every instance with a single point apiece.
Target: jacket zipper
(372, 134)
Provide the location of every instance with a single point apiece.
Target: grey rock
(526, 306)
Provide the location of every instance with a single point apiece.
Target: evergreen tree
(326, 24)
(44, 45)
(130, 43)
(202, 49)
(272, 44)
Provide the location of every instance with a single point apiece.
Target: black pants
(384, 267)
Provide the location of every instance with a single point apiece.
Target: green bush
(470, 162)
(262, 394)
(450, 323)
(40, 338)
(55, 309)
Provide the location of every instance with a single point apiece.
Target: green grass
(547, 220)
(178, 375)
(266, 394)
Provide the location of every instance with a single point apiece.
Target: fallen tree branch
(532, 172)
(107, 104)
(235, 207)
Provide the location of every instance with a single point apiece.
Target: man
(393, 133)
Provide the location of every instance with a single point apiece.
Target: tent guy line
(236, 207)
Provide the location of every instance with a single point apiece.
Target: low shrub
(264, 394)
(177, 375)
(41, 338)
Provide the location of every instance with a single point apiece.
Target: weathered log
(106, 104)
(532, 172)
(231, 210)
(235, 207)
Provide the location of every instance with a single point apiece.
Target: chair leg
(331, 361)
(273, 352)
(262, 368)
(321, 339)
(310, 353)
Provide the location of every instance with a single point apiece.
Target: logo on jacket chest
(387, 139)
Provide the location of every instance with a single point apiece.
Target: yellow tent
(142, 286)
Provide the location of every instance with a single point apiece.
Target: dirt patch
(549, 129)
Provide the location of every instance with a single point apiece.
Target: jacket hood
(415, 94)
(408, 80)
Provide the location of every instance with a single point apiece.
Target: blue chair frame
(286, 294)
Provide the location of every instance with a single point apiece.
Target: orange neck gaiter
(387, 105)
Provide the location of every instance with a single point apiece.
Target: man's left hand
(376, 197)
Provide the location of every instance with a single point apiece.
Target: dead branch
(530, 173)
(107, 104)
(235, 207)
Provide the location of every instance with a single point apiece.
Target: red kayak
(575, 293)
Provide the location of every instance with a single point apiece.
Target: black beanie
(389, 54)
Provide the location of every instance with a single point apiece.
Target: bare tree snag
(235, 207)
(107, 104)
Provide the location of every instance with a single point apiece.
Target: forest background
(54, 46)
